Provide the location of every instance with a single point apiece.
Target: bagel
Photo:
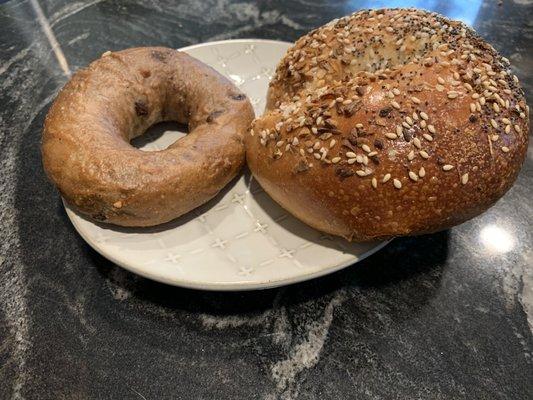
(387, 123)
(86, 147)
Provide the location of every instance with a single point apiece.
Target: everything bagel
(388, 123)
(86, 141)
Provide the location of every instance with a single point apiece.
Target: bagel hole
(159, 136)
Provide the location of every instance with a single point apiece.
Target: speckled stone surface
(444, 316)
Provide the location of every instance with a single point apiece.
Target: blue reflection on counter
(462, 10)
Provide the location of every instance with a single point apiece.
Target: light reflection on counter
(496, 239)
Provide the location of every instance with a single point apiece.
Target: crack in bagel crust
(86, 150)
(389, 122)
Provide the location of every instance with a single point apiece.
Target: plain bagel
(387, 123)
(86, 141)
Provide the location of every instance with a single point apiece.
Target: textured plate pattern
(241, 239)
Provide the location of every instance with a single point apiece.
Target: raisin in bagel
(86, 150)
(388, 123)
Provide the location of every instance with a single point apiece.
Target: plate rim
(243, 40)
(216, 285)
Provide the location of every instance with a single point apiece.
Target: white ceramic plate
(241, 239)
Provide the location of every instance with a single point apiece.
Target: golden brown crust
(387, 123)
(86, 150)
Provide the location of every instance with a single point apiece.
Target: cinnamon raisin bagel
(387, 123)
(86, 141)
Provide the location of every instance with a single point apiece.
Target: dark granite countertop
(443, 316)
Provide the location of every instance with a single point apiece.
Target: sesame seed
(374, 183)
(350, 154)
(347, 102)
(517, 128)
(496, 107)
(399, 130)
(360, 172)
(447, 167)
(482, 100)
(452, 95)
(428, 137)
(423, 124)
(494, 138)
(409, 120)
(411, 155)
(494, 124)
(424, 116)
(332, 143)
(440, 80)
(424, 154)
(406, 125)
(351, 161)
(422, 172)
(415, 100)
(390, 135)
(317, 145)
(417, 143)
(395, 105)
(372, 154)
(396, 91)
(508, 129)
(415, 116)
(432, 129)
(317, 156)
(464, 178)
(359, 126)
(475, 96)
(413, 176)
(505, 149)
(397, 183)
(386, 178)
(335, 160)
(472, 107)
(506, 121)
(365, 148)
(522, 115)
(440, 88)
(302, 152)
